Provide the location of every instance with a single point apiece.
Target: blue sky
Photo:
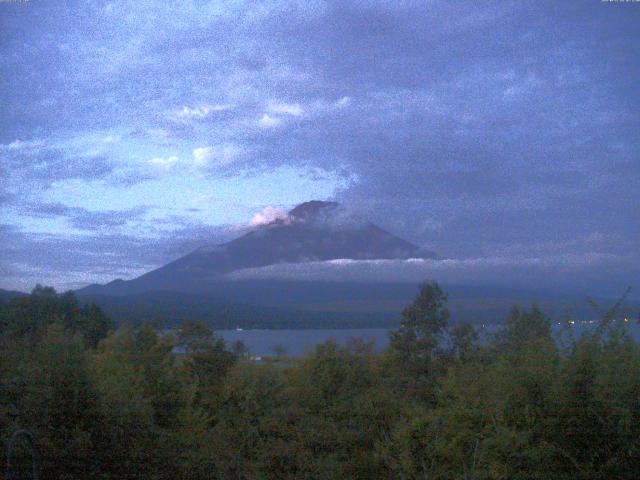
(133, 132)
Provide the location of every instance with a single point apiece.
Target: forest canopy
(119, 403)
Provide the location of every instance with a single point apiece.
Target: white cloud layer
(199, 112)
(164, 163)
(21, 145)
(216, 155)
(479, 271)
(267, 121)
(293, 109)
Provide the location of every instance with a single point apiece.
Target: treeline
(120, 404)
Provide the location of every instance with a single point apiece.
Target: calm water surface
(299, 342)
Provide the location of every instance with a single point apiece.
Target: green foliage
(415, 357)
(206, 365)
(464, 338)
(522, 328)
(29, 317)
(138, 403)
(423, 321)
(46, 387)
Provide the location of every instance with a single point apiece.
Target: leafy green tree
(255, 427)
(343, 412)
(207, 363)
(128, 404)
(29, 317)
(524, 327)
(128, 440)
(413, 358)
(240, 349)
(422, 322)
(463, 339)
(95, 325)
(195, 336)
(47, 389)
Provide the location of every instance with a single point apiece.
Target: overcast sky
(134, 132)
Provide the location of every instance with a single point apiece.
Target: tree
(463, 337)
(422, 325)
(43, 291)
(524, 327)
(47, 389)
(195, 336)
(207, 363)
(240, 349)
(95, 325)
(127, 436)
(29, 317)
(280, 350)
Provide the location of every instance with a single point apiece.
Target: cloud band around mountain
(500, 270)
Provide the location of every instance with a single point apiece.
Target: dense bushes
(123, 404)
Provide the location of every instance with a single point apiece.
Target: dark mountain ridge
(318, 304)
(8, 295)
(311, 231)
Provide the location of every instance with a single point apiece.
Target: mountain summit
(312, 231)
(310, 209)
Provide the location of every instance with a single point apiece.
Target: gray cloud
(33, 161)
(476, 128)
(72, 261)
(574, 271)
(82, 218)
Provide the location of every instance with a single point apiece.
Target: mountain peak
(311, 208)
(315, 231)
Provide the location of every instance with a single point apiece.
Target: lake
(301, 341)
